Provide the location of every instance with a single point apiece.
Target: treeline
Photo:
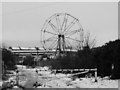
(105, 58)
(8, 60)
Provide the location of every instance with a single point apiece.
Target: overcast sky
(22, 22)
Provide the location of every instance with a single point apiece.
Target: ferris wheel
(62, 32)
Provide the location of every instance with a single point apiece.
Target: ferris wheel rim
(50, 19)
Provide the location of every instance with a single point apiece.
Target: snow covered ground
(46, 79)
(89, 83)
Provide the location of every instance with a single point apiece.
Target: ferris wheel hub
(60, 35)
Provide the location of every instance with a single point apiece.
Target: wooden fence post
(96, 75)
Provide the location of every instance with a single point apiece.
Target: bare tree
(88, 41)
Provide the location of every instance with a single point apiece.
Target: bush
(9, 59)
(29, 60)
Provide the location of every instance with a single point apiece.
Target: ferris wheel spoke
(50, 39)
(73, 39)
(58, 23)
(50, 33)
(55, 45)
(54, 28)
(70, 25)
(64, 22)
(52, 44)
(68, 44)
(71, 45)
(72, 32)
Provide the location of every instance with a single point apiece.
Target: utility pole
(37, 54)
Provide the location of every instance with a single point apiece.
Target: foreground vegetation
(105, 58)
